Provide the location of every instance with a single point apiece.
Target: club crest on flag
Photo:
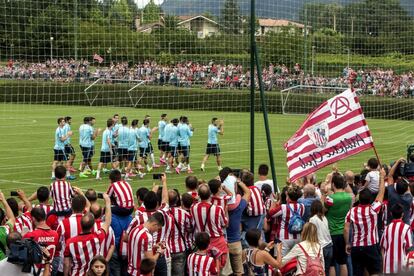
(319, 134)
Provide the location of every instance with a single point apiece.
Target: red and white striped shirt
(122, 192)
(410, 261)
(212, 221)
(109, 238)
(201, 265)
(363, 220)
(183, 220)
(46, 207)
(256, 205)
(139, 242)
(82, 249)
(24, 222)
(162, 235)
(221, 201)
(62, 193)
(395, 242)
(282, 214)
(46, 237)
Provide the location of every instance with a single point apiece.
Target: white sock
(67, 173)
(188, 166)
(98, 173)
(180, 165)
(167, 168)
(163, 156)
(152, 158)
(53, 174)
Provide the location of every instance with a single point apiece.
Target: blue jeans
(248, 223)
(161, 268)
(178, 263)
(118, 266)
(327, 256)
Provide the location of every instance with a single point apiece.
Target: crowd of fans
(346, 224)
(377, 82)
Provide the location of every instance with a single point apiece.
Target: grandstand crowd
(379, 82)
(233, 224)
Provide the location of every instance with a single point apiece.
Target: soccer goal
(302, 99)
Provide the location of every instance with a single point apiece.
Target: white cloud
(142, 3)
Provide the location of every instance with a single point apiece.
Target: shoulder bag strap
(179, 229)
(207, 216)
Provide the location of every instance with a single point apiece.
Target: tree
(231, 21)
(120, 13)
(151, 13)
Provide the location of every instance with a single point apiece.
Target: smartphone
(277, 241)
(100, 195)
(14, 193)
(156, 176)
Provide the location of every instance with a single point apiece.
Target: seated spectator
(98, 267)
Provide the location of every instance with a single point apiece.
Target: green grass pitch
(27, 139)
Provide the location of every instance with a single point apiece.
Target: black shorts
(339, 254)
(366, 257)
(87, 154)
(159, 144)
(164, 146)
(106, 157)
(185, 151)
(132, 155)
(213, 149)
(122, 154)
(60, 155)
(173, 150)
(69, 150)
(143, 152)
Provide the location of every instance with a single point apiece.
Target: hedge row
(169, 97)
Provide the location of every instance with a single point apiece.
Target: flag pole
(352, 75)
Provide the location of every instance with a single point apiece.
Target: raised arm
(9, 213)
(26, 202)
(108, 213)
(381, 191)
(164, 195)
(393, 169)
(246, 191)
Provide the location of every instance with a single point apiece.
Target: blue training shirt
(105, 135)
(133, 139)
(212, 134)
(85, 136)
(123, 137)
(59, 133)
(184, 135)
(144, 134)
(161, 129)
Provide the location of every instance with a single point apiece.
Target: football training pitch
(27, 140)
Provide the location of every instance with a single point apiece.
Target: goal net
(192, 58)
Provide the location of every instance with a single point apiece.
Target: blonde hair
(310, 234)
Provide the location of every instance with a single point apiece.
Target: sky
(143, 3)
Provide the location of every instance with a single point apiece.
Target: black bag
(26, 253)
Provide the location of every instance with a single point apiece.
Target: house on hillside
(267, 25)
(199, 24)
(148, 28)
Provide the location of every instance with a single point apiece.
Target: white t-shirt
(260, 183)
(7, 268)
(324, 236)
(372, 179)
(230, 183)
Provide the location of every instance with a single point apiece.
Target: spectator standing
(211, 219)
(80, 250)
(283, 213)
(234, 233)
(263, 172)
(319, 219)
(395, 243)
(363, 219)
(338, 205)
(7, 227)
(309, 196)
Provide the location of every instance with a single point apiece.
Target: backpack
(296, 222)
(313, 266)
(26, 253)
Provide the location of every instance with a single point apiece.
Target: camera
(14, 193)
(156, 176)
(406, 169)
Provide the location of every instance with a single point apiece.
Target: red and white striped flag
(98, 58)
(335, 130)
